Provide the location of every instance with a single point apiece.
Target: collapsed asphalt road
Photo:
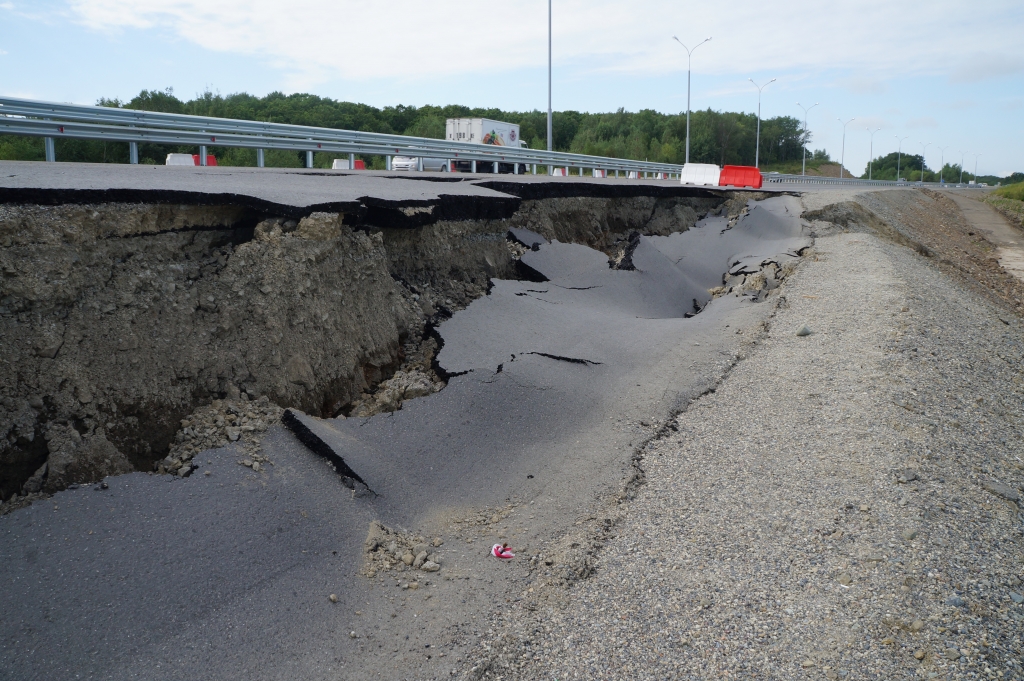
(552, 386)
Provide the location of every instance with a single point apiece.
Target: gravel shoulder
(843, 505)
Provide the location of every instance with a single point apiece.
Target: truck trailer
(484, 131)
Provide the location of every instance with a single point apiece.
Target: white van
(412, 163)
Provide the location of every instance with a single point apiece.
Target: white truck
(484, 131)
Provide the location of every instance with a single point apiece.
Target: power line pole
(871, 154)
(757, 149)
(842, 157)
(688, 53)
(806, 109)
(549, 77)
(899, 155)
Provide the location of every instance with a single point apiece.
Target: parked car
(412, 163)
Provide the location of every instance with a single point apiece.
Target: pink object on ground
(502, 551)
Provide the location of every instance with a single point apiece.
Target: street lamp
(757, 150)
(871, 155)
(976, 168)
(962, 155)
(899, 155)
(842, 157)
(550, 141)
(924, 147)
(806, 109)
(942, 160)
(688, 53)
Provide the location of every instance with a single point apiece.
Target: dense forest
(716, 137)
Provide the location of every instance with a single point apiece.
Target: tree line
(719, 137)
(912, 167)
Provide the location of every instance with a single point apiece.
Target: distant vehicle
(188, 160)
(484, 131)
(413, 163)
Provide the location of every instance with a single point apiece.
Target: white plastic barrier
(180, 160)
(600, 173)
(340, 164)
(560, 172)
(705, 174)
(632, 175)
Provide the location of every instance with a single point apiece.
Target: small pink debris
(502, 551)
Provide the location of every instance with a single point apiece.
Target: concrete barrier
(703, 174)
(740, 176)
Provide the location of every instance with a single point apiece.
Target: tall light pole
(688, 53)
(924, 147)
(962, 155)
(942, 160)
(806, 109)
(976, 168)
(550, 141)
(899, 155)
(757, 149)
(871, 154)
(842, 157)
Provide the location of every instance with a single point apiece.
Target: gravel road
(843, 505)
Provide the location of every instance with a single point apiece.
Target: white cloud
(318, 40)
(978, 67)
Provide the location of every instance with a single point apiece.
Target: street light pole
(976, 168)
(806, 109)
(757, 149)
(924, 148)
(688, 53)
(899, 155)
(842, 157)
(942, 161)
(871, 154)
(549, 78)
(963, 154)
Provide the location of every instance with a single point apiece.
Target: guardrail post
(515, 168)
(133, 153)
(309, 159)
(387, 163)
(419, 163)
(495, 168)
(259, 158)
(474, 166)
(534, 168)
(202, 154)
(351, 161)
(51, 152)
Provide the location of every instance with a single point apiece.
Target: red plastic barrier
(211, 160)
(360, 165)
(740, 176)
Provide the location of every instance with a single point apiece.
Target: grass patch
(1011, 191)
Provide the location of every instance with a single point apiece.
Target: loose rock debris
(387, 549)
(218, 424)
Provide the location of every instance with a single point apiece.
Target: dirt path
(843, 506)
(1010, 241)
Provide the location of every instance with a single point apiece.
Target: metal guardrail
(52, 120)
(779, 178)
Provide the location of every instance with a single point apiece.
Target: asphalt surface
(291, 191)
(553, 387)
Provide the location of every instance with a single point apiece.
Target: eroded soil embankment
(119, 320)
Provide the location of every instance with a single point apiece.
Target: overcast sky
(950, 73)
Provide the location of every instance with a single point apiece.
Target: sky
(946, 73)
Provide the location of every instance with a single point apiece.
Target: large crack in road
(228, 572)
